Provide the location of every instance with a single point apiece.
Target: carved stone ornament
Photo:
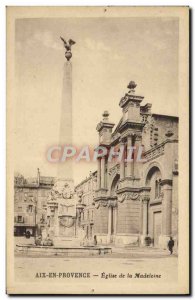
(128, 196)
(97, 204)
(101, 203)
(112, 203)
(132, 85)
(132, 195)
(66, 221)
(60, 190)
(63, 209)
(67, 192)
(138, 137)
(145, 199)
(114, 170)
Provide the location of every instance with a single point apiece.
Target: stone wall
(101, 220)
(175, 206)
(128, 221)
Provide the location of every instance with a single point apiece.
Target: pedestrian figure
(171, 245)
(28, 234)
(95, 240)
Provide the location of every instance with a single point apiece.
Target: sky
(109, 52)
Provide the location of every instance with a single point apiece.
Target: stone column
(122, 163)
(129, 172)
(115, 219)
(137, 164)
(109, 223)
(56, 222)
(103, 172)
(65, 136)
(167, 206)
(99, 174)
(109, 220)
(145, 216)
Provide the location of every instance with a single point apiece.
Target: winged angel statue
(68, 46)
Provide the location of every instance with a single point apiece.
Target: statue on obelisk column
(61, 204)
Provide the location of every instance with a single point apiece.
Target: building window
(20, 219)
(156, 189)
(159, 187)
(30, 208)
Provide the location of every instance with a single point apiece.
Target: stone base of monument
(66, 242)
(45, 251)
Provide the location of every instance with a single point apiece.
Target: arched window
(159, 187)
(114, 185)
(156, 189)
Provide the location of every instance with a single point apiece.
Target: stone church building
(136, 203)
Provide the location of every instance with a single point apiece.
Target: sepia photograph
(97, 150)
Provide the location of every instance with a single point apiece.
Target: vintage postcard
(98, 150)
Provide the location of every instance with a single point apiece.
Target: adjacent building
(86, 205)
(30, 203)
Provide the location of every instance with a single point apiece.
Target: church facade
(136, 202)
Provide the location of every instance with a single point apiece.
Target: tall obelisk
(61, 204)
(65, 138)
